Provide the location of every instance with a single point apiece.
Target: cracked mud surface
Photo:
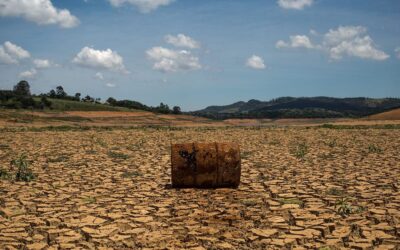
(108, 190)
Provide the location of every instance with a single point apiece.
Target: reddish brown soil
(300, 188)
(389, 115)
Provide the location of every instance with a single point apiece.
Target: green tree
(52, 94)
(163, 108)
(45, 102)
(176, 110)
(22, 89)
(60, 93)
(111, 101)
(78, 96)
(87, 98)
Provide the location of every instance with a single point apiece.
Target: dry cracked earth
(300, 189)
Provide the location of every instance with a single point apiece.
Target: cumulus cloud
(297, 41)
(99, 76)
(43, 63)
(144, 6)
(350, 41)
(295, 4)
(28, 74)
(111, 85)
(181, 40)
(313, 32)
(100, 59)
(167, 60)
(11, 53)
(41, 12)
(397, 50)
(16, 51)
(6, 58)
(255, 62)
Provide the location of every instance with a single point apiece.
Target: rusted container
(205, 165)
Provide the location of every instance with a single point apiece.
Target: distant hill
(388, 115)
(301, 107)
(67, 105)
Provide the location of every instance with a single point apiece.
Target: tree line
(21, 97)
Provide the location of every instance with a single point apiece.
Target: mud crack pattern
(108, 190)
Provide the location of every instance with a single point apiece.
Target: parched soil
(300, 189)
(95, 114)
(23, 118)
(389, 115)
(134, 118)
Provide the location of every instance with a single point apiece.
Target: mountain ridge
(301, 107)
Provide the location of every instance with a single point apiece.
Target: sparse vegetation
(344, 207)
(335, 191)
(249, 203)
(279, 198)
(23, 172)
(274, 142)
(297, 201)
(61, 158)
(89, 200)
(377, 126)
(137, 145)
(300, 150)
(331, 143)
(130, 174)
(4, 175)
(101, 142)
(117, 155)
(246, 154)
(374, 149)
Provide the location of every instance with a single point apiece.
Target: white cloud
(297, 41)
(295, 4)
(11, 53)
(99, 76)
(100, 59)
(397, 50)
(167, 60)
(281, 44)
(350, 41)
(38, 11)
(255, 62)
(144, 6)
(43, 63)
(314, 32)
(111, 85)
(28, 74)
(181, 40)
(16, 51)
(5, 57)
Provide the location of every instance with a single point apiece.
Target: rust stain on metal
(205, 165)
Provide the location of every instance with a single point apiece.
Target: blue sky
(197, 53)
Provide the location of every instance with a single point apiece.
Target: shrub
(128, 174)
(335, 191)
(374, 149)
(117, 155)
(283, 201)
(301, 150)
(344, 207)
(23, 173)
(4, 175)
